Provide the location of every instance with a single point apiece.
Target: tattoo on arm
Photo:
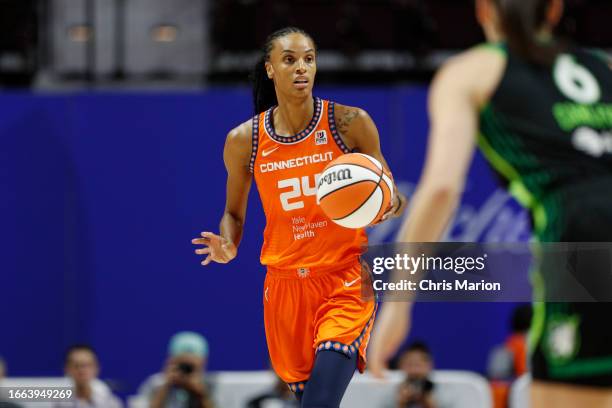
(344, 123)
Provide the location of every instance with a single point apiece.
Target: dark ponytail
(521, 20)
(264, 94)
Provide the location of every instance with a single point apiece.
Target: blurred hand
(194, 383)
(389, 333)
(216, 248)
(171, 373)
(84, 391)
(405, 394)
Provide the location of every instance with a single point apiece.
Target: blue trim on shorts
(348, 349)
(297, 386)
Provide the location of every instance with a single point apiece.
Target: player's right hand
(216, 248)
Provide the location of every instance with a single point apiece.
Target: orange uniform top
(517, 343)
(287, 168)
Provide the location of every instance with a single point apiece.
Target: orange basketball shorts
(307, 310)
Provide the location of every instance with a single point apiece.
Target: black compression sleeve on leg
(329, 379)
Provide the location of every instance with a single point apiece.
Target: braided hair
(264, 94)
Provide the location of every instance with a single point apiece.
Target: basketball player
(542, 115)
(317, 325)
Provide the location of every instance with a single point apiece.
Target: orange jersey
(298, 234)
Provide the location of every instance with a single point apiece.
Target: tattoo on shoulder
(344, 122)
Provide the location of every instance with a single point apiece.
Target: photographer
(417, 390)
(182, 383)
(415, 393)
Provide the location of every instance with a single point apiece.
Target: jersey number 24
(299, 187)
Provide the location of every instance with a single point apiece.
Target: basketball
(355, 190)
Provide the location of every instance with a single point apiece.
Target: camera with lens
(186, 368)
(420, 385)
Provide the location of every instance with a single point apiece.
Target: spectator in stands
(508, 361)
(2, 369)
(418, 390)
(3, 402)
(280, 397)
(183, 383)
(81, 366)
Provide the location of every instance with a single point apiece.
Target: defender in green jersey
(541, 112)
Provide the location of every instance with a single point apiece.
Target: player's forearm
(432, 209)
(394, 321)
(231, 228)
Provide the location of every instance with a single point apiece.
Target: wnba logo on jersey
(321, 137)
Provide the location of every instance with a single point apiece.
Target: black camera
(421, 385)
(186, 368)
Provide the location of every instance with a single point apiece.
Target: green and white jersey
(548, 132)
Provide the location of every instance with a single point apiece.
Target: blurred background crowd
(183, 381)
(199, 42)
